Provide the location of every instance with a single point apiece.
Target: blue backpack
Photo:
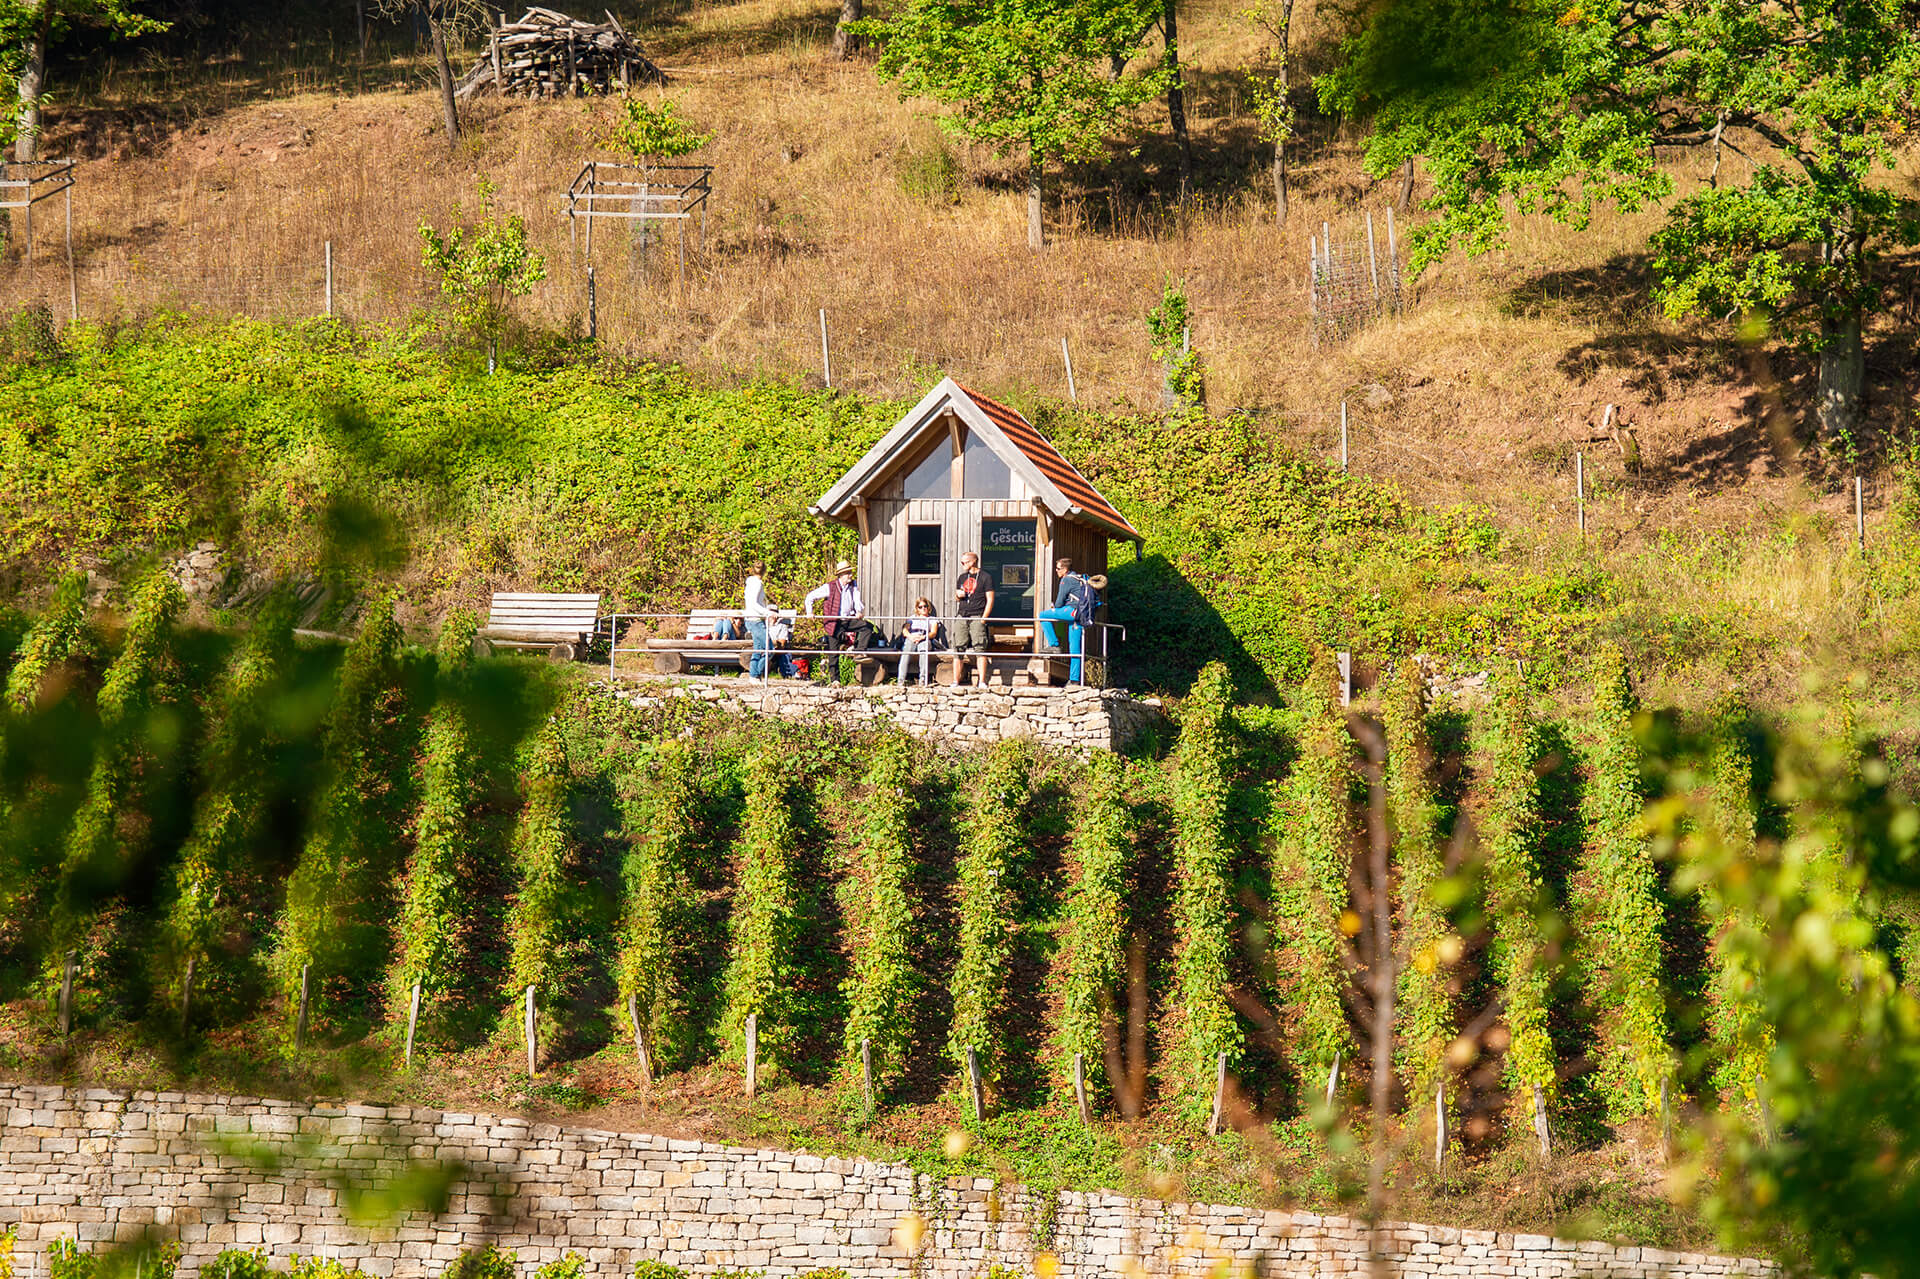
(1083, 600)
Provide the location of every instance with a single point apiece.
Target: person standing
(846, 616)
(973, 604)
(1074, 603)
(758, 613)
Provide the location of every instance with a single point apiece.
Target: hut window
(923, 550)
(933, 478)
(986, 475)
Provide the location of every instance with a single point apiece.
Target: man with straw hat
(845, 613)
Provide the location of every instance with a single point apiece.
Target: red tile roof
(1055, 467)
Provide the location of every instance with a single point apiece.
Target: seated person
(922, 630)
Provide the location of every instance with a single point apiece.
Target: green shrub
(1311, 859)
(1204, 1022)
(929, 172)
(1425, 1006)
(1097, 919)
(986, 903)
(571, 1266)
(822, 1272)
(543, 853)
(95, 840)
(429, 914)
(486, 1262)
(238, 1263)
(321, 1268)
(1516, 897)
(66, 1260)
(1621, 916)
(648, 1268)
(762, 966)
(227, 811)
(662, 907)
(881, 990)
(325, 892)
(1736, 1026)
(55, 636)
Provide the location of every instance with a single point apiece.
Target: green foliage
(986, 905)
(227, 811)
(883, 985)
(1516, 897)
(442, 831)
(238, 1263)
(95, 843)
(1741, 1038)
(326, 893)
(1311, 858)
(66, 1260)
(482, 266)
(1097, 919)
(762, 966)
(486, 1262)
(320, 1268)
(1620, 910)
(571, 1266)
(1169, 324)
(54, 637)
(652, 135)
(1424, 1006)
(1205, 1025)
(543, 855)
(649, 1268)
(662, 907)
(929, 173)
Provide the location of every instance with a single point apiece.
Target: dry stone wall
(219, 1172)
(1076, 718)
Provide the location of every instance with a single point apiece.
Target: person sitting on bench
(922, 627)
(846, 615)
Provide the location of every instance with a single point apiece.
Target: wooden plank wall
(884, 581)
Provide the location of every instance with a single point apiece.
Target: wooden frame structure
(664, 193)
(23, 184)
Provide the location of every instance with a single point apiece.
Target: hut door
(1007, 550)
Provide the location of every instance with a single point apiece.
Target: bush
(1621, 914)
(929, 173)
(662, 907)
(762, 969)
(321, 1268)
(542, 857)
(1203, 868)
(55, 636)
(65, 1260)
(986, 908)
(1425, 1011)
(1097, 919)
(648, 1268)
(881, 989)
(571, 1266)
(488, 1262)
(237, 1263)
(8, 1238)
(1516, 898)
(1740, 1036)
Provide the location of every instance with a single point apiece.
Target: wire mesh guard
(646, 198)
(1352, 283)
(25, 183)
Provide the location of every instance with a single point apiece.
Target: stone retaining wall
(1077, 718)
(109, 1165)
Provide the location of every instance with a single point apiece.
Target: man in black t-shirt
(973, 593)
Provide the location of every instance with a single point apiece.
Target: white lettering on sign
(1012, 537)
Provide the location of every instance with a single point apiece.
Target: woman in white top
(758, 613)
(919, 638)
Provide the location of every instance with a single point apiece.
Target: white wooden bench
(699, 648)
(562, 625)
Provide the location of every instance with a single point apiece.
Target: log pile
(549, 55)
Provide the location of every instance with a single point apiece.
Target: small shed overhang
(1060, 488)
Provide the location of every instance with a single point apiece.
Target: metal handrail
(794, 617)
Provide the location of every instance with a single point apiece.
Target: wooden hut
(963, 473)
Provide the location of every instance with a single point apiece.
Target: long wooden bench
(562, 625)
(699, 648)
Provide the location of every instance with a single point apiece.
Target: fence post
(1067, 356)
(329, 277)
(1540, 1129)
(1373, 263)
(300, 1019)
(1439, 1120)
(753, 1053)
(1859, 514)
(1080, 1088)
(186, 994)
(533, 1041)
(640, 1043)
(73, 283)
(66, 992)
(1666, 1121)
(413, 1020)
(1393, 261)
(1345, 659)
(826, 352)
(1343, 435)
(1333, 1079)
(974, 1087)
(866, 1073)
(1580, 489)
(1219, 1094)
(593, 307)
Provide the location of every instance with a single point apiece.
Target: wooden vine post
(413, 1022)
(1080, 1088)
(1333, 1081)
(753, 1053)
(186, 994)
(1439, 1126)
(973, 1085)
(532, 1030)
(1540, 1129)
(66, 995)
(300, 1019)
(640, 1052)
(1219, 1095)
(866, 1073)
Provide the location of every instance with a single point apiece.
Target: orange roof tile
(1055, 467)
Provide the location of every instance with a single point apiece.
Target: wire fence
(1352, 282)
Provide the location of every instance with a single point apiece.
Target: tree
(444, 20)
(1176, 95)
(846, 32)
(30, 27)
(1271, 89)
(652, 135)
(1027, 77)
(481, 267)
(1533, 106)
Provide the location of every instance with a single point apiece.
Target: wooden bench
(698, 648)
(563, 625)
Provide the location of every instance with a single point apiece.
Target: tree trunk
(1280, 183)
(1406, 187)
(1840, 400)
(33, 77)
(1036, 232)
(845, 43)
(435, 34)
(1177, 98)
(1283, 86)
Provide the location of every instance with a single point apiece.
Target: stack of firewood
(549, 55)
